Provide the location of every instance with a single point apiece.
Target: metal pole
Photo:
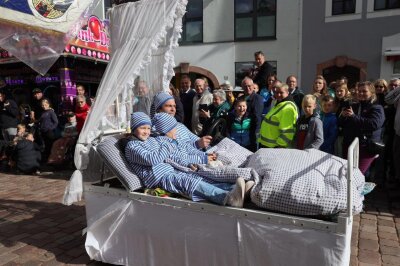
(352, 162)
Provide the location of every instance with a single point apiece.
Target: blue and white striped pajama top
(147, 161)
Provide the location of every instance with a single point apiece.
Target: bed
(128, 227)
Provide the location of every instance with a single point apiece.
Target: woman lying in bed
(147, 156)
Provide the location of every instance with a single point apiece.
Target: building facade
(220, 37)
(358, 39)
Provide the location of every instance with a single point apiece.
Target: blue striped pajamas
(147, 161)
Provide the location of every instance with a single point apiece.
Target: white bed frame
(130, 228)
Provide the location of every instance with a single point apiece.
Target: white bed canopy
(143, 37)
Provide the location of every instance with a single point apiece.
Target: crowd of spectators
(267, 113)
(272, 114)
(34, 137)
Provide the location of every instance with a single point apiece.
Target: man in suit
(255, 106)
(186, 94)
(202, 100)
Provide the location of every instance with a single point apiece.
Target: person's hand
(204, 142)
(212, 157)
(194, 167)
(204, 114)
(32, 115)
(347, 112)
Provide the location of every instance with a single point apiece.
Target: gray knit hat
(139, 119)
(164, 123)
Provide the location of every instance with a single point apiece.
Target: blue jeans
(213, 192)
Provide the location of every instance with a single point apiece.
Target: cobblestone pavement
(36, 229)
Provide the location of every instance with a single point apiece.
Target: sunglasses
(80, 102)
(380, 86)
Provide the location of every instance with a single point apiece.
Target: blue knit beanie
(160, 99)
(139, 119)
(164, 123)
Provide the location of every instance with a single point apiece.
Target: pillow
(230, 153)
(111, 150)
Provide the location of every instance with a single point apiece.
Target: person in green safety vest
(279, 124)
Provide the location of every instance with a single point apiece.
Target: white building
(221, 35)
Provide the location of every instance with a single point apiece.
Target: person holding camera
(201, 101)
(218, 109)
(363, 120)
(8, 117)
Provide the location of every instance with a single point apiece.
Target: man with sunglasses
(394, 83)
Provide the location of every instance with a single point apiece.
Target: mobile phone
(203, 107)
(346, 105)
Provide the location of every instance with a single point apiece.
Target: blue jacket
(239, 130)
(267, 96)
(48, 121)
(255, 106)
(329, 122)
(366, 123)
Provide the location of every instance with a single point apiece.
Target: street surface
(36, 229)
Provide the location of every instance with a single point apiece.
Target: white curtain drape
(143, 37)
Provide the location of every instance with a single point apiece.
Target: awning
(392, 53)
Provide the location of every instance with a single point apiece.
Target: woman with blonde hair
(381, 88)
(363, 120)
(319, 90)
(342, 97)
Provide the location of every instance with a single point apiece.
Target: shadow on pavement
(34, 231)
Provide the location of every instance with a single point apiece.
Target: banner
(92, 40)
(36, 31)
(56, 15)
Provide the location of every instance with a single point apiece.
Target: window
(396, 67)
(193, 22)
(386, 4)
(255, 19)
(340, 7)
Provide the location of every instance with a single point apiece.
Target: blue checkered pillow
(112, 153)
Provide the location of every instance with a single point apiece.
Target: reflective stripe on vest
(272, 141)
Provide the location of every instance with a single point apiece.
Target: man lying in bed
(147, 158)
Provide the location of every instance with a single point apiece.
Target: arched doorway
(194, 72)
(354, 70)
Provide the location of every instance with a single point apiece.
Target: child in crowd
(70, 129)
(147, 158)
(240, 124)
(329, 122)
(26, 155)
(21, 130)
(309, 129)
(60, 147)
